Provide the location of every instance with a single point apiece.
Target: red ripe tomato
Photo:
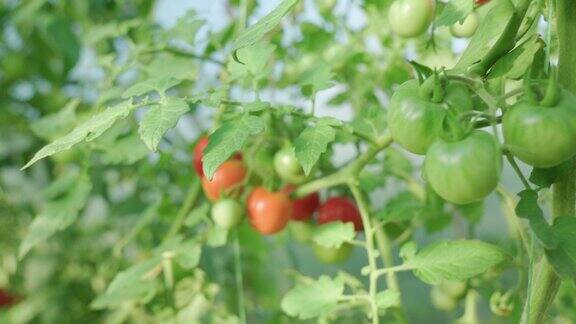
(303, 208)
(230, 174)
(199, 154)
(6, 299)
(481, 2)
(340, 209)
(198, 150)
(269, 212)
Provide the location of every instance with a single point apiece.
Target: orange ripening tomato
(229, 175)
(303, 208)
(199, 154)
(269, 212)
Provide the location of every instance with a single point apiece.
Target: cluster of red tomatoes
(269, 212)
(411, 18)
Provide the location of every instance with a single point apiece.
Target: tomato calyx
(433, 89)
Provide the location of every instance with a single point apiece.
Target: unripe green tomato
(464, 171)
(541, 136)
(301, 231)
(411, 18)
(454, 289)
(227, 213)
(415, 122)
(467, 28)
(332, 255)
(441, 300)
(287, 166)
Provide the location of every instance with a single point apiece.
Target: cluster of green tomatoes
(463, 164)
(411, 18)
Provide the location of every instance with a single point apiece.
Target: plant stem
(385, 248)
(546, 282)
(239, 279)
(370, 250)
(342, 176)
(187, 205)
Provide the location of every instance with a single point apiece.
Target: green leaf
(159, 119)
(563, 258)
(315, 79)
(403, 207)
(488, 34)
(514, 64)
(528, 208)
(387, 299)
(311, 300)
(544, 178)
(254, 60)
(334, 234)
(56, 124)
(454, 11)
(168, 66)
(127, 150)
(57, 215)
(454, 260)
(188, 254)
(255, 32)
(132, 284)
(228, 139)
(311, 143)
(89, 130)
(159, 85)
(197, 215)
(187, 27)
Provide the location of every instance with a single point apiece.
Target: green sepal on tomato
(411, 18)
(268, 212)
(539, 135)
(465, 170)
(227, 213)
(228, 176)
(415, 121)
(340, 209)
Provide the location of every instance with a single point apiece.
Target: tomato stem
(546, 282)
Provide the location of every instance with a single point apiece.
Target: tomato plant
(135, 136)
(269, 212)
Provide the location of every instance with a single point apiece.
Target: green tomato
(542, 136)
(466, 28)
(301, 231)
(411, 18)
(287, 166)
(227, 213)
(415, 122)
(441, 300)
(331, 255)
(464, 171)
(454, 289)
